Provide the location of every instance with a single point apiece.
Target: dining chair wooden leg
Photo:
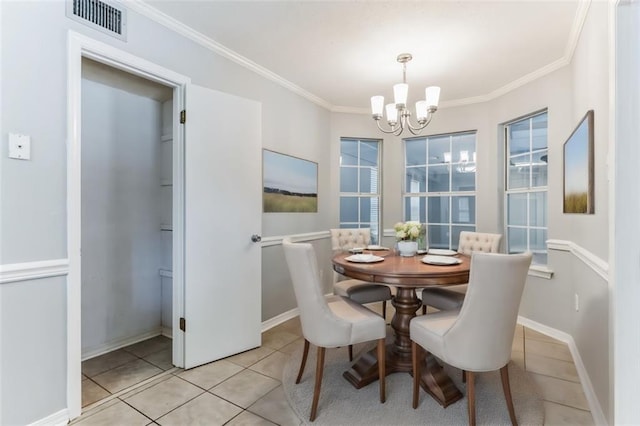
(424, 309)
(350, 352)
(305, 352)
(471, 397)
(416, 373)
(464, 376)
(316, 388)
(504, 375)
(384, 309)
(382, 373)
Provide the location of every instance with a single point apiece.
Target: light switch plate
(19, 146)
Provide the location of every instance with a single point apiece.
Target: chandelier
(424, 108)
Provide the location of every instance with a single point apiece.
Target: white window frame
(376, 214)
(451, 194)
(525, 190)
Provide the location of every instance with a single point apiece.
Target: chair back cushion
(478, 241)
(319, 325)
(481, 338)
(345, 239)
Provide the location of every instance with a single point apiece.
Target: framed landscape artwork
(290, 184)
(578, 168)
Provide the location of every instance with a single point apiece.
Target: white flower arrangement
(407, 231)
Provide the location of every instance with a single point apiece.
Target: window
(440, 184)
(526, 186)
(360, 185)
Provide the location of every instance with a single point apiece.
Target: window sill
(540, 271)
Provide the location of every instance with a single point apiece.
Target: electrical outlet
(576, 301)
(19, 146)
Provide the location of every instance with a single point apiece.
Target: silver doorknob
(256, 238)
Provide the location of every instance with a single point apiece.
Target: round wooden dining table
(406, 274)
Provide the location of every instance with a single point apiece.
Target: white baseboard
(167, 332)
(585, 381)
(56, 419)
(279, 319)
(285, 316)
(119, 343)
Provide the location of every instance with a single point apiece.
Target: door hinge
(183, 324)
(183, 116)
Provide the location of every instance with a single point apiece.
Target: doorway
(216, 197)
(126, 229)
(82, 48)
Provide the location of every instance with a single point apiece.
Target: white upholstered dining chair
(451, 297)
(359, 291)
(330, 323)
(478, 337)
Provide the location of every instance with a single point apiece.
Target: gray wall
(33, 328)
(33, 229)
(121, 244)
(33, 364)
(275, 275)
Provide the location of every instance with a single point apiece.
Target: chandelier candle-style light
(424, 108)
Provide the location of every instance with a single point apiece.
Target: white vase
(407, 248)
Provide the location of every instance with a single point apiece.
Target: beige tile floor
(138, 386)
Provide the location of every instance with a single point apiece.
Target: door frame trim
(79, 46)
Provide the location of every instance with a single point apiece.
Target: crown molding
(576, 29)
(141, 7)
(541, 72)
(152, 13)
(570, 48)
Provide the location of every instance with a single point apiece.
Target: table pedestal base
(398, 356)
(434, 381)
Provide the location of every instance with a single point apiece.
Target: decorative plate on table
(374, 248)
(364, 258)
(442, 252)
(440, 260)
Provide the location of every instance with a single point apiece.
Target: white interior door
(223, 208)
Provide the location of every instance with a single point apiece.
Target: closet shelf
(166, 273)
(166, 182)
(166, 227)
(166, 138)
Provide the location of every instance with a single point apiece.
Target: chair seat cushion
(444, 298)
(365, 324)
(362, 291)
(428, 330)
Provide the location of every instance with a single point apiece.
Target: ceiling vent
(100, 15)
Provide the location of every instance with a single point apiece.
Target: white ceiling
(343, 52)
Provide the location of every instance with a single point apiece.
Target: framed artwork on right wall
(578, 168)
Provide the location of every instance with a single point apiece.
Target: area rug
(342, 404)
